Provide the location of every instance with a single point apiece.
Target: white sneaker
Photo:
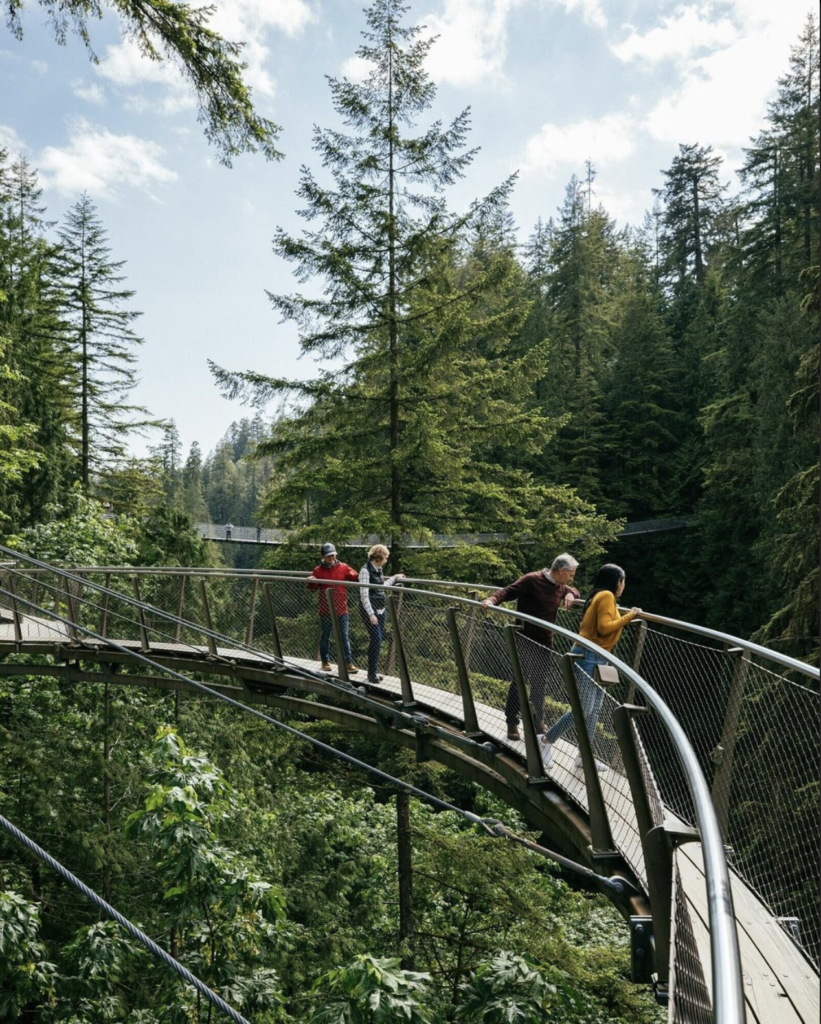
(600, 765)
(547, 751)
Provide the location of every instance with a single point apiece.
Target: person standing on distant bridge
(601, 624)
(330, 568)
(538, 594)
(228, 528)
(372, 604)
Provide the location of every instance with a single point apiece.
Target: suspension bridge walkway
(265, 535)
(693, 807)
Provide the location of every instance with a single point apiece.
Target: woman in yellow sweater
(601, 624)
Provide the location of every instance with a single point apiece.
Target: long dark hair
(607, 578)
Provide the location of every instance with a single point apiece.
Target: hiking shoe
(375, 679)
(326, 666)
(546, 748)
(351, 667)
(513, 732)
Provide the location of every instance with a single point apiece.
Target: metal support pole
(249, 632)
(724, 752)
(15, 611)
(104, 615)
(144, 644)
(638, 650)
(599, 825)
(206, 614)
(535, 765)
(469, 719)
(399, 649)
(658, 842)
(390, 661)
(72, 632)
(341, 664)
(269, 603)
(180, 605)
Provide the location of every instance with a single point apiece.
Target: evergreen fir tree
(101, 338)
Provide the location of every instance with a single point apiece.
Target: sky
(550, 84)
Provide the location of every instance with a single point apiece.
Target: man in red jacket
(330, 568)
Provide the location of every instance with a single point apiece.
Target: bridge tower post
(399, 648)
(723, 754)
(269, 604)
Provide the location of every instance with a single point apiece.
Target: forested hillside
(548, 382)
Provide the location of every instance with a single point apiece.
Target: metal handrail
(728, 999)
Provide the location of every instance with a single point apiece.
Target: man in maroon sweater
(538, 594)
(330, 569)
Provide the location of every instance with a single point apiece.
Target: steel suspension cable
(132, 929)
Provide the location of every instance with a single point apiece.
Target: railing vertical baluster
(15, 611)
(341, 663)
(638, 650)
(725, 751)
(180, 605)
(104, 614)
(72, 632)
(596, 809)
(206, 614)
(658, 843)
(249, 632)
(144, 644)
(399, 648)
(390, 660)
(469, 719)
(269, 604)
(535, 765)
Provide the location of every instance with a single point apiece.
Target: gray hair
(564, 561)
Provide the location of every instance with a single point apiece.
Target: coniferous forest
(548, 382)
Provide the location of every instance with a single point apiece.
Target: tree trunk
(405, 858)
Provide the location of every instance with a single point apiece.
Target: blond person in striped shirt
(372, 604)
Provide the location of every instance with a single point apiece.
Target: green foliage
(79, 532)
(25, 974)
(371, 990)
(513, 990)
(179, 35)
(167, 537)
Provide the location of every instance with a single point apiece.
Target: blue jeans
(592, 696)
(375, 634)
(325, 629)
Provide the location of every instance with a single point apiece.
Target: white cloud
(684, 32)
(592, 11)
(91, 92)
(245, 21)
(99, 162)
(554, 148)
(721, 97)
(356, 69)
(472, 42)
(10, 140)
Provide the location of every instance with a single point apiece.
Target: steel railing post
(206, 614)
(249, 632)
(638, 650)
(725, 751)
(535, 765)
(341, 663)
(399, 649)
(390, 661)
(70, 610)
(596, 809)
(144, 644)
(658, 844)
(269, 603)
(104, 613)
(180, 605)
(15, 611)
(471, 723)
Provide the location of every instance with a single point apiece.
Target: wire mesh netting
(754, 731)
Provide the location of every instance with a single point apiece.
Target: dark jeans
(591, 694)
(375, 634)
(536, 664)
(325, 630)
